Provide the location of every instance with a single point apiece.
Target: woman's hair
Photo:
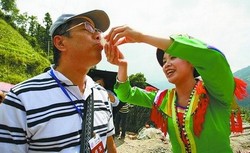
(160, 54)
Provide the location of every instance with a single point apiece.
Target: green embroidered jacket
(217, 76)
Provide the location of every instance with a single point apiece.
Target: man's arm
(111, 147)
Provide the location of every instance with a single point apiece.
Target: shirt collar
(89, 82)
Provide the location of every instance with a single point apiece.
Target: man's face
(82, 48)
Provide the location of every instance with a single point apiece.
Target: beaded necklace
(181, 126)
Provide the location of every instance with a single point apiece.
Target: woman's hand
(114, 55)
(122, 34)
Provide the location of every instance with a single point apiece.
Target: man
(62, 110)
(121, 121)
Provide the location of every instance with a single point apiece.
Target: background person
(2, 96)
(121, 121)
(112, 97)
(45, 113)
(196, 113)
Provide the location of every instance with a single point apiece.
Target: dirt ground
(240, 144)
(142, 146)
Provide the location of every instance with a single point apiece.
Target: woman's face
(176, 69)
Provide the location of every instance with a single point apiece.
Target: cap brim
(159, 55)
(99, 17)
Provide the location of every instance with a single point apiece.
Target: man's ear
(59, 42)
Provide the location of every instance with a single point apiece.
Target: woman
(196, 113)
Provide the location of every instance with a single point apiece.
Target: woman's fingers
(113, 54)
(120, 35)
(113, 33)
(120, 42)
(110, 53)
(106, 50)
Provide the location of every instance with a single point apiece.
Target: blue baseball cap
(99, 18)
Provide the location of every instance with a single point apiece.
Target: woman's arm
(208, 61)
(124, 34)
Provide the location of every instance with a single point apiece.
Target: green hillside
(18, 60)
(244, 74)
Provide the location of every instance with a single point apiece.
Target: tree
(21, 22)
(32, 26)
(28, 26)
(48, 22)
(138, 80)
(10, 11)
(8, 6)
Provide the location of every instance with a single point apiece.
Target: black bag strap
(88, 106)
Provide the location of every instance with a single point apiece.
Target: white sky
(221, 23)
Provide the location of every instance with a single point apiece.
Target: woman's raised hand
(121, 35)
(114, 55)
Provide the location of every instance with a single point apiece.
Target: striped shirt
(37, 116)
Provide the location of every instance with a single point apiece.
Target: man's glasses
(87, 27)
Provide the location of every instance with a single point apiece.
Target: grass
(18, 60)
